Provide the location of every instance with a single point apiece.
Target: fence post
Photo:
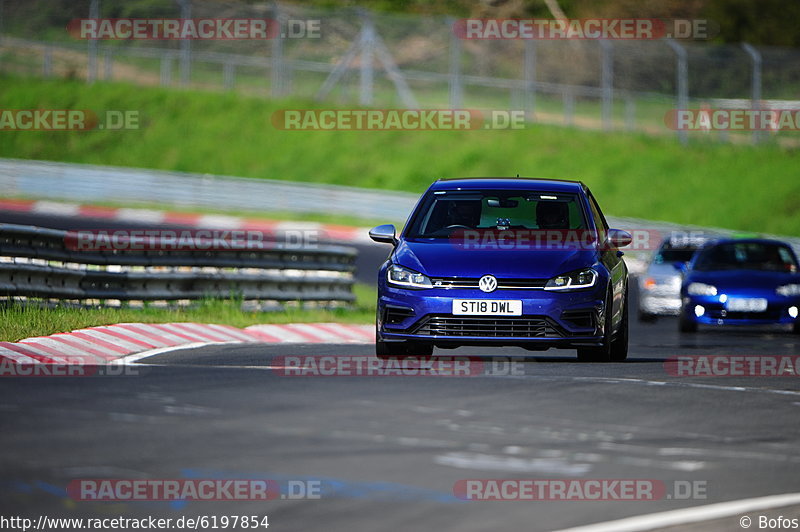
(681, 83)
(276, 55)
(456, 88)
(630, 113)
(186, 45)
(166, 68)
(107, 68)
(607, 81)
(91, 68)
(367, 46)
(569, 105)
(529, 69)
(755, 55)
(228, 75)
(47, 61)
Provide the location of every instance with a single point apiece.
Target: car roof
(747, 241)
(511, 183)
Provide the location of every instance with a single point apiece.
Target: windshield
(443, 213)
(670, 254)
(747, 256)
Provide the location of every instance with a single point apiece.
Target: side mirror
(383, 234)
(682, 267)
(619, 238)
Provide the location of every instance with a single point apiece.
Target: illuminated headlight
(701, 289)
(399, 276)
(573, 280)
(788, 290)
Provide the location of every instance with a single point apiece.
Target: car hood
(446, 260)
(731, 279)
(662, 271)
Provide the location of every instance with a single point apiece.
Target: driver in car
(465, 213)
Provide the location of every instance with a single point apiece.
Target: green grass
(18, 322)
(742, 187)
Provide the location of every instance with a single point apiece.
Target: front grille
(502, 284)
(523, 327)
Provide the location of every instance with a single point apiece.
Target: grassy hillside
(739, 187)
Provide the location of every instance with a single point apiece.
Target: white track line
(690, 515)
(135, 357)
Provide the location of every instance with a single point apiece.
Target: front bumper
(549, 318)
(663, 299)
(715, 313)
(661, 305)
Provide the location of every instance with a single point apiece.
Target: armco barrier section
(41, 263)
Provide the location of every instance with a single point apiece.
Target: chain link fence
(354, 56)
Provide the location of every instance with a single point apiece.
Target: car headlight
(573, 280)
(400, 276)
(701, 289)
(788, 290)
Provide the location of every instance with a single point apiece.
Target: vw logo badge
(488, 283)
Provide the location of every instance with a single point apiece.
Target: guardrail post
(681, 83)
(91, 67)
(456, 89)
(607, 81)
(755, 55)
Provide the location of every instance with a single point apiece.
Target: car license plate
(746, 304)
(487, 307)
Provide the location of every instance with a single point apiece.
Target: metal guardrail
(89, 183)
(41, 263)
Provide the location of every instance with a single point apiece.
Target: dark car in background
(741, 282)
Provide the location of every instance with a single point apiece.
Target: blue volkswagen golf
(741, 282)
(504, 262)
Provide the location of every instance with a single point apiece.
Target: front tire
(686, 324)
(646, 317)
(399, 350)
(600, 353)
(384, 350)
(619, 346)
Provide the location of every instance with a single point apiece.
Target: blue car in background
(498, 262)
(741, 282)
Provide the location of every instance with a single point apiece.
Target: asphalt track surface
(388, 450)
